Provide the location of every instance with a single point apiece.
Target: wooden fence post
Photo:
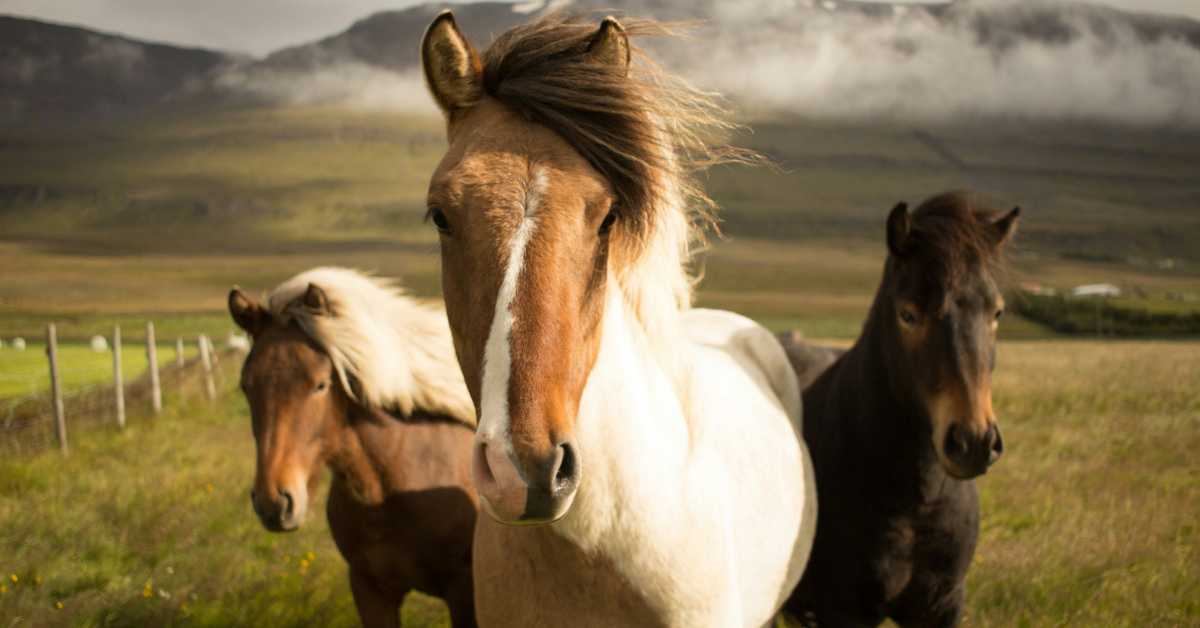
(118, 376)
(216, 362)
(60, 421)
(152, 357)
(209, 389)
(179, 352)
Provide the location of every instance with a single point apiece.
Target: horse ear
(898, 226)
(248, 315)
(453, 71)
(1003, 229)
(316, 300)
(610, 44)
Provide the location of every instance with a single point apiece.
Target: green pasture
(24, 373)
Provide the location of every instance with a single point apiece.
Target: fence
(47, 418)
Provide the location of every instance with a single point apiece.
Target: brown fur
(401, 505)
(899, 515)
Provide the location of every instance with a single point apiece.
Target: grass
(152, 526)
(1089, 519)
(27, 372)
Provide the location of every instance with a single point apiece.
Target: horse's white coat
(709, 492)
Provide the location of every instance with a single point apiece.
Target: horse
(640, 462)
(347, 372)
(900, 424)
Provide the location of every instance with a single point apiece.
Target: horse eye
(999, 313)
(439, 219)
(907, 316)
(321, 387)
(611, 218)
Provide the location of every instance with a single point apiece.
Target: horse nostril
(288, 503)
(566, 470)
(954, 444)
(997, 443)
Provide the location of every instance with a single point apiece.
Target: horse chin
(550, 512)
(954, 470)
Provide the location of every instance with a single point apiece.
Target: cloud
(980, 59)
(345, 83)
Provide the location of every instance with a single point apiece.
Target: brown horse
(900, 424)
(346, 372)
(622, 433)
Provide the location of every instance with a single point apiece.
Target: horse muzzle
(281, 512)
(966, 455)
(534, 493)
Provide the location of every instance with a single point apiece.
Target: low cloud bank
(992, 59)
(983, 58)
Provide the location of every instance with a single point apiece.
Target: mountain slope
(50, 69)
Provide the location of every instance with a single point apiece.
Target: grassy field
(1089, 519)
(27, 372)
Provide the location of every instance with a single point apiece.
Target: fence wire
(27, 421)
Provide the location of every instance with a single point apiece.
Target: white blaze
(497, 358)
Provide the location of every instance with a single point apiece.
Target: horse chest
(926, 545)
(413, 540)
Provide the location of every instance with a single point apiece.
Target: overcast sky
(261, 26)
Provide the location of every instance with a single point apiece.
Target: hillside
(50, 69)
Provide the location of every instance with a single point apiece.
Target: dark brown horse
(903, 421)
(331, 351)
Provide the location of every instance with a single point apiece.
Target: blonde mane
(397, 351)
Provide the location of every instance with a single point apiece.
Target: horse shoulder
(754, 347)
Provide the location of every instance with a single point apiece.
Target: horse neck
(871, 417)
(364, 452)
(631, 426)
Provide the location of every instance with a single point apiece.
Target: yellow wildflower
(310, 556)
(14, 578)
(58, 605)
(37, 581)
(3, 589)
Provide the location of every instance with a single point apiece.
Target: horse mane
(396, 351)
(647, 131)
(951, 233)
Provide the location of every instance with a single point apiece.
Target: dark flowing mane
(646, 131)
(951, 235)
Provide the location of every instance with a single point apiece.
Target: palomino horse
(900, 424)
(346, 372)
(640, 461)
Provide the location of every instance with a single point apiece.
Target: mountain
(48, 69)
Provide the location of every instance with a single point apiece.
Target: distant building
(1105, 290)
